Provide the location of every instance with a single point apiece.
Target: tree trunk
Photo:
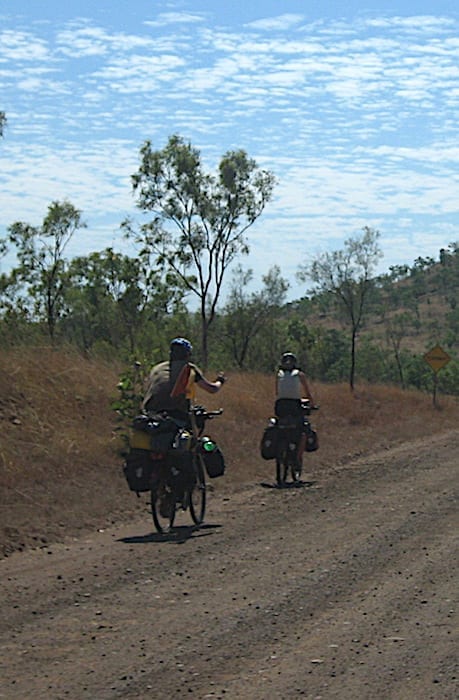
(204, 339)
(352, 370)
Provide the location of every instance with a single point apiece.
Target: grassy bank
(60, 463)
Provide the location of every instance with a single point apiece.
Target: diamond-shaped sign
(437, 358)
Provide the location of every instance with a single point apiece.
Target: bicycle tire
(296, 469)
(282, 464)
(163, 513)
(197, 496)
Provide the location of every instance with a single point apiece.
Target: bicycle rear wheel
(198, 492)
(163, 507)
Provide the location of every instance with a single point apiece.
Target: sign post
(437, 358)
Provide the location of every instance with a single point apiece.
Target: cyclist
(291, 387)
(171, 385)
(171, 389)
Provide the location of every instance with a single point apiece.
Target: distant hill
(417, 305)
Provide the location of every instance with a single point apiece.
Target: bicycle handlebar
(202, 412)
(305, 403)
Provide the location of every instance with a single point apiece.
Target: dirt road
(344, 588)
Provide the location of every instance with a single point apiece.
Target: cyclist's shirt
(171, 386)
(289, 384)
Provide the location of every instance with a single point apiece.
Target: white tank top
(289, 384)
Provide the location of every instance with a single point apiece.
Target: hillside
(60, 462)
(426, 297)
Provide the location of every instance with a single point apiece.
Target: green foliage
(39, 280)
(199, 220)
(131, 390)
(346, 275)
(246, 314)
(114, 306)
(448, 378)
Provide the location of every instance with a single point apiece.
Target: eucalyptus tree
(398, 327)
(347, 275)
(41, 263)
(247, 313)
(197, 220)
(112, 297)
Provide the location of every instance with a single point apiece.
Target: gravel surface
(342, 588)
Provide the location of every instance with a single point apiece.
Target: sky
(353, 105)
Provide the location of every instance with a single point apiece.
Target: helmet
(183, 343)
(181, 347)
(288, 360)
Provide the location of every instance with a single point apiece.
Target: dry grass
(60, 468)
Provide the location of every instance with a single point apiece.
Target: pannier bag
(214, 461)
(270, 440)
(152, 433)
(312, 441)
(180, 472)
(139, 469)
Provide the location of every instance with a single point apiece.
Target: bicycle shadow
(179, 534)
(287, 485)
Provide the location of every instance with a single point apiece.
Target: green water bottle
(207, 444)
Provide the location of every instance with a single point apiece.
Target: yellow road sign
(437, 358)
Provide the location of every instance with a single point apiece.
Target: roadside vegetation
(61, 447)
(78, 335)
(350, 325)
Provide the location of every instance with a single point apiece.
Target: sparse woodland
(351, 324)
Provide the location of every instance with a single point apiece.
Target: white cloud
(22, 46)
(166, 18)
(279, 23)
(358, 119)
(78, 42)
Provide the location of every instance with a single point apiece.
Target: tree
(40, 252)
(398, 327)
(199, 220)
(2, 122)
(111, 296)
(246, 314)
(346, 274)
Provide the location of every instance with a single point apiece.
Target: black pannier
(139, 469)
(270, 440)
(180, 472)
(214, 460)
(312, 441)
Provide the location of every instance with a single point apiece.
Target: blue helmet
(183, 344)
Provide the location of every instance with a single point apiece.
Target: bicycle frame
(166, 496)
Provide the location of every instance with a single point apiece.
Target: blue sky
(353, 105)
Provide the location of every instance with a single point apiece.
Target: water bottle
(207, 444)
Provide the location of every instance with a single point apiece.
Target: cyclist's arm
(307, 390)
(210, 387)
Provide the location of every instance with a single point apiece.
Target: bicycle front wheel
(163, 507)
(296, 468)
(198, 492)
(281, 465)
